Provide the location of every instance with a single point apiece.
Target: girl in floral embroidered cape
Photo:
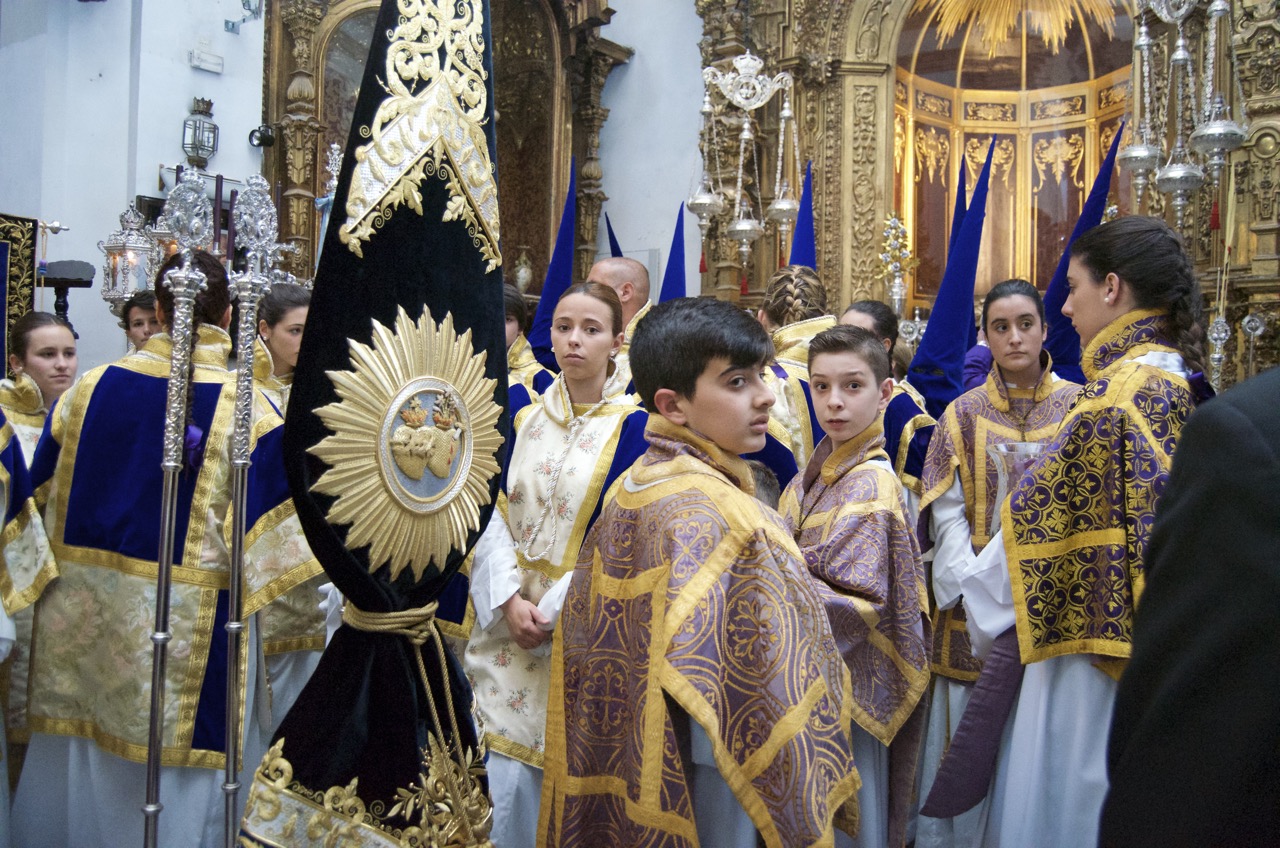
(1072, 547)
(568, 448)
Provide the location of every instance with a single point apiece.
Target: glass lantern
(129, 253)
(200, 134)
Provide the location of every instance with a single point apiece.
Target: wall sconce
(200, 133)
(262, 136)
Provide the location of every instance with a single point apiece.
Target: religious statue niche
(1046, 103)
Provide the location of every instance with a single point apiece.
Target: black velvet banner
(364, 713)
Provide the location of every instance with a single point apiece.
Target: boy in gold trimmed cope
(847, 513)
(697, 693)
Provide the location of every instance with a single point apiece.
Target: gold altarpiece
(885, 137)
(550, 67)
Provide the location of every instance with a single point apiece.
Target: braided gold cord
(418, 625)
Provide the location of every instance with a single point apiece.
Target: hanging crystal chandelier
(745, 89)
(1199, 133)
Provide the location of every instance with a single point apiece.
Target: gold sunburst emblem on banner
(414, 445)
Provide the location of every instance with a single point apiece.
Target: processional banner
(17, 270)
(394, 438)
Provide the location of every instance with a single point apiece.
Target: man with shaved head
(630, 280)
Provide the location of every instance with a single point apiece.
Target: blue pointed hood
(957, 220)
(937, 370)
(615, 249)
(1063, 342)
(559, 278)
(673, 282)
(957, 214)
(804, 243)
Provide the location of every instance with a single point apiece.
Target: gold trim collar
(1109, 335)
(520, 355)
(852, 453)
(793, 339)
(731, 466)
(629, 331)
(561, 409)
(213, 346)
(999, 393)
(23, 396)
(264, 367)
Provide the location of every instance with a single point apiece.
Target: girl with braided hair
(794, 310)
(1072, 548)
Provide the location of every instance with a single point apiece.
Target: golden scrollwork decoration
(17, 269)
(1062, 108)
(1114, 95)
(431, 122)
(933, 151)
(281, 811)
(1002, 158)
(899, 141)
(933, 104)
(414, 444)
(1005, 112)
(1059, 156)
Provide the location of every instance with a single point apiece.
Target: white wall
(104, 87)
(103, 90)
(649, 144)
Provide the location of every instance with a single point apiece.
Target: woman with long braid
(1021, 401)
(1072, 548)
(98, 466)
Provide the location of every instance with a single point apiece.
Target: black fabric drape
(364, 713)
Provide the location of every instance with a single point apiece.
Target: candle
(231, 229)
(217, 212)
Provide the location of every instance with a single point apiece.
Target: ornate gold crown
(413, 414)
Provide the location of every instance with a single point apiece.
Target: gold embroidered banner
(17, 269)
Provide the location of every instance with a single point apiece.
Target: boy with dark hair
(846, 511)
(697, 693)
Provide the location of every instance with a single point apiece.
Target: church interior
(894, 102)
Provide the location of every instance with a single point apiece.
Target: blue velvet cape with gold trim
(98, 467)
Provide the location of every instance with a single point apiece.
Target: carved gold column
(299, 131)
(1255, 277)
(849, 48)
(595, 59)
